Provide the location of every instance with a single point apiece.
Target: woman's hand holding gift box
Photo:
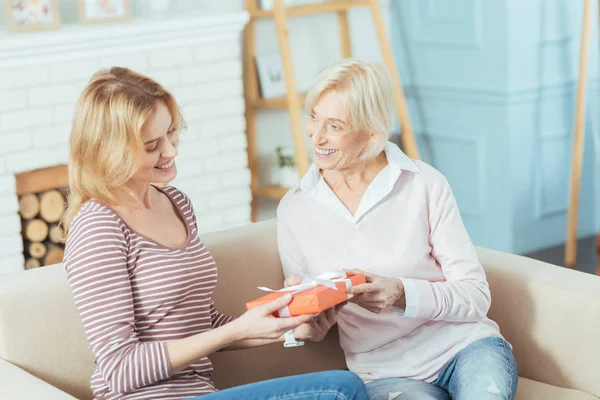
(313, 296)
(317, 328)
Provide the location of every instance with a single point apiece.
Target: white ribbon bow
(328, 279)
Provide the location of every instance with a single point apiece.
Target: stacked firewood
(42, 234)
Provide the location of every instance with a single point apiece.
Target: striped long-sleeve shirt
(133, 295)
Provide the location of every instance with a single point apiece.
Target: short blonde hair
(369, 95)
(106, 136)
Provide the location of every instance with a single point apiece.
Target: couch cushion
(533, 390)
(40, 330)
(16, 383)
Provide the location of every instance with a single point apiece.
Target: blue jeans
(329, 385)
(486, 369)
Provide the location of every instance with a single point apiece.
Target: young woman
(141, 277)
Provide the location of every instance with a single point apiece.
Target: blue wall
(491, 90)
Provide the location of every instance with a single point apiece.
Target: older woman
(141, 277)
(418, 328)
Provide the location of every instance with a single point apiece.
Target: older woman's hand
(378, 293)
(317, 328)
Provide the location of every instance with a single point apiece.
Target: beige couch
(551, 315)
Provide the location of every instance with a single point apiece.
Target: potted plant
(288, 175)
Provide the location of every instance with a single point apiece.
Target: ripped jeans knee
(484, 370)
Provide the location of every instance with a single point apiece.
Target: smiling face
(156, 162)
(336, 144)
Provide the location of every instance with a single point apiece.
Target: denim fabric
(329, 385)
(486, 369)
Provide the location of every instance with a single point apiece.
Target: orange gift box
(313, 300)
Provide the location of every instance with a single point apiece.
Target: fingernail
(287, 297)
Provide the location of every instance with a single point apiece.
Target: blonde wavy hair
(369, 95)
(106, 136)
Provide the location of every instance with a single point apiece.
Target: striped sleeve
(217, 318)
(96, 265)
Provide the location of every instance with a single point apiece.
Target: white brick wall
(53, 136)
(18, 120)
(11, 263)
(7, 185)
(31, 159)
(9, 204)
(235, 141)
(218, 126)
(15, 141)
(9, 224)
(137, 62)
(12, 245)
(36, 110)
(235, 178)
(26, 77)
(171, 58)
(227, 162)
(73, 71)
(63, 93)
(12, 100)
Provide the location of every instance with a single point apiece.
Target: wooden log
(35, 230)
(56, 234)
(54, 256)
(32, 263)
(52, 206)
(29, 206)
(42, 179)
(37, 249)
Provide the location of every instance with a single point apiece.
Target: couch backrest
(40, 330)
(247, 257)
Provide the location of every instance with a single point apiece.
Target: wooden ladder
(578, 143)
(293, 100)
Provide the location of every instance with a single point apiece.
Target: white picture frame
(29, 15)
(270, 76)
(98, 11)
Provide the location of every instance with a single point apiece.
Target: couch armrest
(551, 316)
(41, 332)
(18, 384)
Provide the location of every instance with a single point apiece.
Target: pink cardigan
(407, 226)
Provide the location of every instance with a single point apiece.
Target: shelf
(332, 6)
(75, 41)
(277, 103)
(273, 192)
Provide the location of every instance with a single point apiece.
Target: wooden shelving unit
(294, 100)
(298, 11)
(276, 103)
